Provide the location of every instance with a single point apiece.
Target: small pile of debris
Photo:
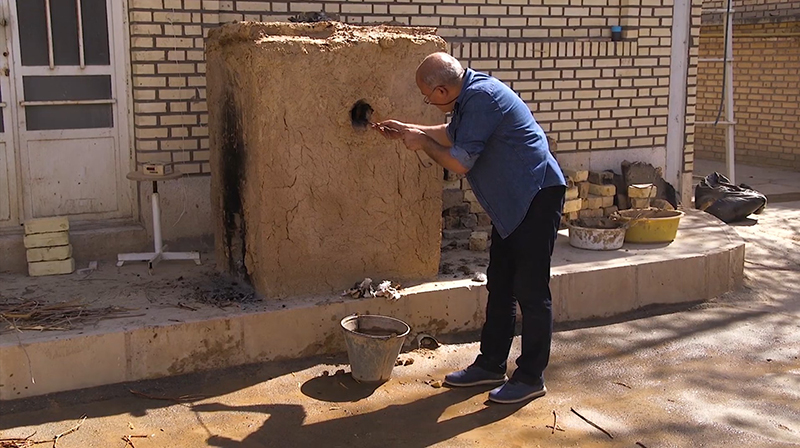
(368, 289)
(221, 291)
(23, 314)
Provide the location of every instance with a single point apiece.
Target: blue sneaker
(516, 391)
(474, 376)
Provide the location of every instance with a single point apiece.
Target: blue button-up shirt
(495, 136)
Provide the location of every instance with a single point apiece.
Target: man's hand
(391, 129)
(414, 139)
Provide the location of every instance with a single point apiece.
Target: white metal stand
(729, 122)
(153, 258)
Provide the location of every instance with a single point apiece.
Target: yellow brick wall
(766, 94)
(589, 93)
(751, 11)
(168, 67)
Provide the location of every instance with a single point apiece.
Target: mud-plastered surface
(304, 202)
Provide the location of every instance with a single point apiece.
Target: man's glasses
(426, 98)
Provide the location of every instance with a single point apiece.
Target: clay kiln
(304, 203)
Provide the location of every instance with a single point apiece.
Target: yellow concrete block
(577, 175)
(602, 190)
(583, 190)
(642, 191)
(478, 241)
(592, 202)
(640, 202)
(42, 268)
(475, 207)
(572, 193)
(452, 185)
(46, 239)
(49, 253)
(601, 177)
(46, 225)
(608, 201)
(573, 205)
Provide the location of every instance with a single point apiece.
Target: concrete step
(706, 260)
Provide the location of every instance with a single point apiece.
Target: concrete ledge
(90, 242)
(706, 260)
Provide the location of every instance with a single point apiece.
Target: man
(494, 140)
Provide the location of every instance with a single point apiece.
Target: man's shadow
(415, 424)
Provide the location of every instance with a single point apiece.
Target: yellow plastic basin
(651, 226)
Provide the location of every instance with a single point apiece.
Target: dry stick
(21, 443)
(31, 315)
(182, 305)
(181, 399)
(555, 426)
(128, 441)
(640, 444)
(592, 423)
(15, 443)
(73, 429)
(622, 384)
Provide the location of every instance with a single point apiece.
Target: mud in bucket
(373, 343)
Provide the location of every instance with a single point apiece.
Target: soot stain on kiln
(233, 178)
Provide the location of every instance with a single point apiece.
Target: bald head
(440, 69)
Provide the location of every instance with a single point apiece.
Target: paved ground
(778, 185)
(726, 373)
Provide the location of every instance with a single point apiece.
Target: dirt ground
(723, 374)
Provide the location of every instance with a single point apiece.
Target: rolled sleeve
(464, 158)
(477, 120)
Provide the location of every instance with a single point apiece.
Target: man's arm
(418, 140)
(437, 132)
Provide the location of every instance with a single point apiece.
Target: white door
(9, 204)
(69, 102)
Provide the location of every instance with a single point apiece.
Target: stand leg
(157, 242)
(160, 252)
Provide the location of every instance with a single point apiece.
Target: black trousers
(519, 272)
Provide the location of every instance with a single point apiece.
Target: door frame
(10, 122)
(119, 48)
(120, 32)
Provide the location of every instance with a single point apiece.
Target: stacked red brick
(590, 194)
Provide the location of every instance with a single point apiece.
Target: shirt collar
(468, 75)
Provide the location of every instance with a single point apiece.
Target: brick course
(766, 94)
(589, 93)
(752, 11)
